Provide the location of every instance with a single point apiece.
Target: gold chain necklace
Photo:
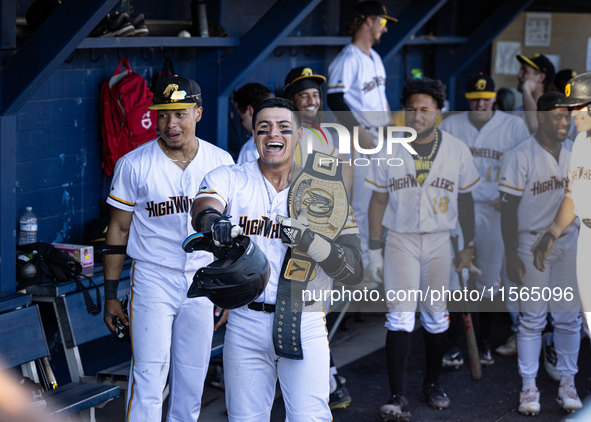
(267, 189)
(550, 151)
(181, 163)
(433, 149)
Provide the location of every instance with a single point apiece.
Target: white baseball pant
(566, 317)
(251, 369)
(168, 332)
(416, 262)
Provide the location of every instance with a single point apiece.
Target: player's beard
(425, 133)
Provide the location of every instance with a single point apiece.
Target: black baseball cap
(551, 100)
(539, 62)
(563, 77)
(175, 93)
(301, 78)
(480, 87)
(577, 91)
(373, 8)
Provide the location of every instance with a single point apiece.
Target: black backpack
(42, 263)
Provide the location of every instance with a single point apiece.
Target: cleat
(453, 358)
(509, 348)
(568, 398)
(486, 358)
(397, 409)
(435, 396)
(529, 402)
(339, 399)
(550, 359)
(139, 25)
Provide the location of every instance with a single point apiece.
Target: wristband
(111, 289)
(114, 249)
(375, 244)
(555, 230)
(200, 216)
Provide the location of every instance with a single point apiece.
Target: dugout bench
(78, 327)
(22, 342)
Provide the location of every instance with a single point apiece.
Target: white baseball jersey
(309, 142)
(245, 193)
(248, 152)
(168, 330)
(160, 194)
(500, 134)
(432, 207)
(580, 175)
(533, 174)
(363, 81)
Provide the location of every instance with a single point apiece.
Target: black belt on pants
(536, 234)
(269, 309)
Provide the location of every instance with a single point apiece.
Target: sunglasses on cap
(382, 21)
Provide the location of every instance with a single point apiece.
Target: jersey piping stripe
(471, 184)
(215, 193)
(510, 187)
(123, 201)
(131, 334)
(335, 86)
(380, 186)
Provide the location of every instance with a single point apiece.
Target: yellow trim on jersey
(375, 184)
(335, 86)
(214, 192)
(123, 201)
(131, 336)
(471, 184)
(510, 187)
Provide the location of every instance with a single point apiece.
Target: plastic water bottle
(28, 227)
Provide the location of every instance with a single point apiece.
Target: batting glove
(223, 231)
(296, 232)
(376, 265)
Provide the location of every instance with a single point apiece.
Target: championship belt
(321, 190)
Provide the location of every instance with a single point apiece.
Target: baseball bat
(473, 356)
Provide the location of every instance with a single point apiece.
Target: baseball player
(535, 77)
(357, 91)
(577, 201)
(302, 88)
(246, 98)
(261, 342)
(419, 202)
(534, 176)
(150, 199)
(489, 134)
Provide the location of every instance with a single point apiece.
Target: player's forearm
(564, 217)
(466, 218)
(345, 260)
(377, 207)
(509, 225)
(199, 216)
(115, 243)
(530, 107)
(114, 258)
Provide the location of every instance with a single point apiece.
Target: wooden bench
(78, 327)
(22, 341)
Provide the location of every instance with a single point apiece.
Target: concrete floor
(357, 349)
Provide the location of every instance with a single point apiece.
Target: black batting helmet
(577, 91)
(234, 280)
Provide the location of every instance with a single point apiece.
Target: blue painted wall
(59, 143)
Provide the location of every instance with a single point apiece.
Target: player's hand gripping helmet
(236, 279)
(577, 91)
